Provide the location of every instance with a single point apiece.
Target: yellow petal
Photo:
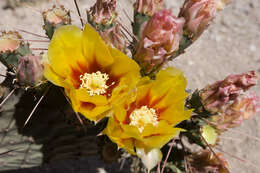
(94, 48)
(123, 64)
(83, 96)
(158, 141)
(94, 114)
(52, 76)
(65, 50)
(119, 113)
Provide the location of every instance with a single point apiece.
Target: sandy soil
(230, 45)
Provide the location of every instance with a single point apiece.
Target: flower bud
(54, 18)
(114, 37)
(242, 109)
(198, 15)
(148, 7)
(218, 96)
(12, 48)
(160, 38)
(206, 161)
(30, 70)
(103, 14)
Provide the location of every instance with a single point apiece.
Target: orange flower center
(143, 116)
(94, 83)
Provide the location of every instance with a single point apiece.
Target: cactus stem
(6, 98)
(77, 7)
(37, 104)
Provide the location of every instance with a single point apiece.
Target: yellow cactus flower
(147, 119)
(93, 74)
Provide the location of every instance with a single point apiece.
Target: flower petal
(94, 48)
(119, 67)
(65, 50)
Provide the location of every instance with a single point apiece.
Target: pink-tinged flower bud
(148, 7)
(218, 96)
(160, 38)
(114, 37)
(103, 14)
(198, 15)
(54, 18)
(11, 49)
(9, 41)
(243, 108)
(30, 70)
(205, 161)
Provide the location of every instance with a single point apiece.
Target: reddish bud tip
(218, 96)
(198, 15)
(160, 38)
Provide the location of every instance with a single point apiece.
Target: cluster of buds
(160, 38)
(30, 70)
(12, 48)
(54, 18)
(227, 99)
(103, 14)
(206, 161)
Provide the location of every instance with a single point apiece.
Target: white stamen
(95, 83)
(143, 116)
